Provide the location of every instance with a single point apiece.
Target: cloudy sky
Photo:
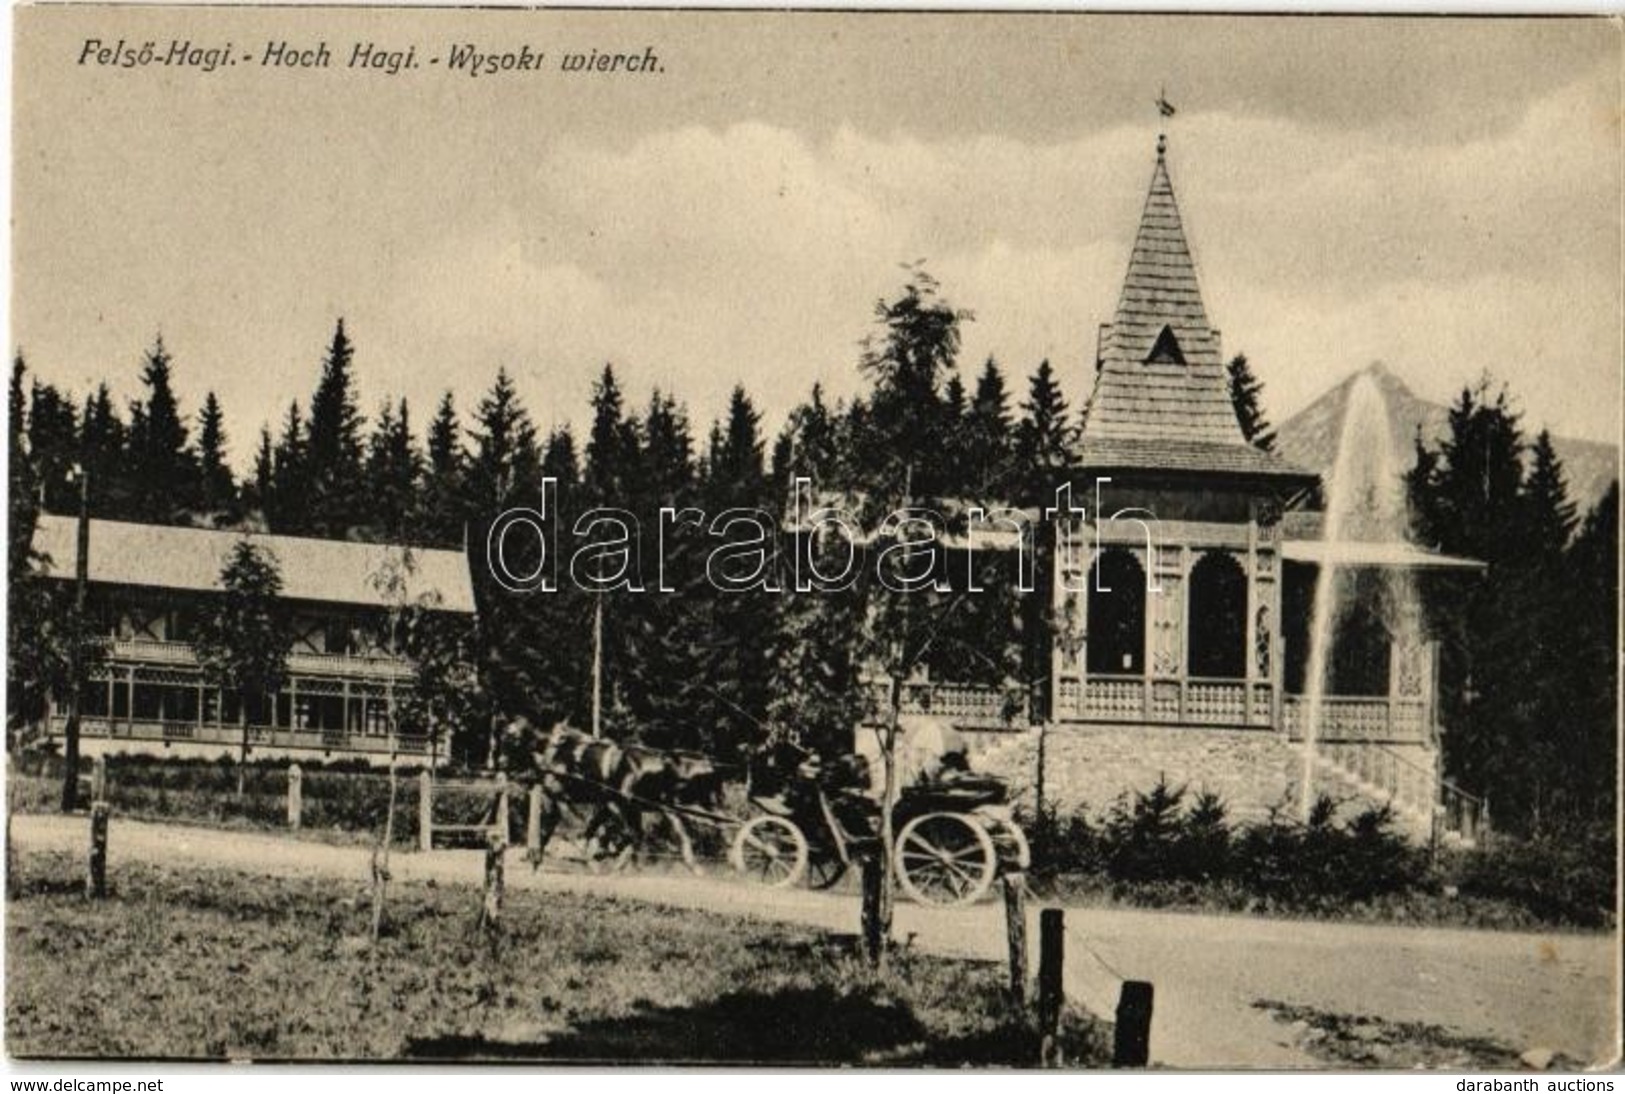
(1444, 196)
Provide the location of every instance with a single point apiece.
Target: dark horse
(620, 783)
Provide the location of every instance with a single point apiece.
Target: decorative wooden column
(1166, 605)
(1253, 670)
(1069, 599)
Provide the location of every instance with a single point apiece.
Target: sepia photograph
(814, 539)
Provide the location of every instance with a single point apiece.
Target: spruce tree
(735, 471)
(286, 510)
(742, 621)
(258, 490)
(1550, 517)
(1044, 438)
(989, 452)
(522, 641)
(442, 506)
(559, 461)
(53, 447)
(393, 468)
(337, 491)
(105, 444)
(1586, 684)
(36, 613)
(1247, 396)
(163, 468)
(217, 491)
(1494, 631)
(505, 468)
(655, 644)
(612, 445)
(21, 496)
(808, 447)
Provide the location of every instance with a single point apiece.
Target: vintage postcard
(814, 538)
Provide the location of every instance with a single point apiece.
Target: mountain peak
(1310, 437)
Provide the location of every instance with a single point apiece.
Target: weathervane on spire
(1166, 110)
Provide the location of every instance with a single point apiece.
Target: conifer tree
(1584, 717)
(21, 496)
(53, 447)
(337, 492)
(1549, 514)
(505, 468)
(1044, 437)
(559, 460)
(612, 445)
(162, 467)
(394, 466)
(258, 490)
(742, 620)
(36, 635)
(1247, 396)
(655, 644)
(808, 446)
(1501, 635)
(105, 444)
(442, 507)
(522, 641)
(217, 492)
(989, 452)
(286, 510)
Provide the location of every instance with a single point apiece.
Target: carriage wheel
(1015, 855)
(771, 850)
(945, 858)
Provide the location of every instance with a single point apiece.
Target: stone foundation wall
(1089, 767)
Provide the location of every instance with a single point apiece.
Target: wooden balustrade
(193, 733)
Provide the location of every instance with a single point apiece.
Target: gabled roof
(334, 571)
(1161, 389)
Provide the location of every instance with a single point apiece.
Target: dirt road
(1550, 990)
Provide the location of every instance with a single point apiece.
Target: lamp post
(76, 646)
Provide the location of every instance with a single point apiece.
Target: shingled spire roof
(1161, 392)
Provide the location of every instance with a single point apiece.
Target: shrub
(1568, 878)
(1204, 839)
(1319, 866)
(1061, 845)
(1143, 835)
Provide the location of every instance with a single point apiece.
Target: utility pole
(76, 650)
(598, 665)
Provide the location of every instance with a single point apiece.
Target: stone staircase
(1423, 805)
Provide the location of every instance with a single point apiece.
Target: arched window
(1216, 640)
(1359, 655)
(1116, 620)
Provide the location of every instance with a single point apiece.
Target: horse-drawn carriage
(809, 821)
(954, 833)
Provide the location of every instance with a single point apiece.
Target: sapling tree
(244, 635)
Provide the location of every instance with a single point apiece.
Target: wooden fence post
(533, 824)
(1015, 916)
(1051, 958)
(425, 812)
(1132, 1041)
(98, 779)
(96, 875)
(496, 848)
(874, 879)
(502, 805)
(296, 796)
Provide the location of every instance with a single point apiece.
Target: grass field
(223, 964)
